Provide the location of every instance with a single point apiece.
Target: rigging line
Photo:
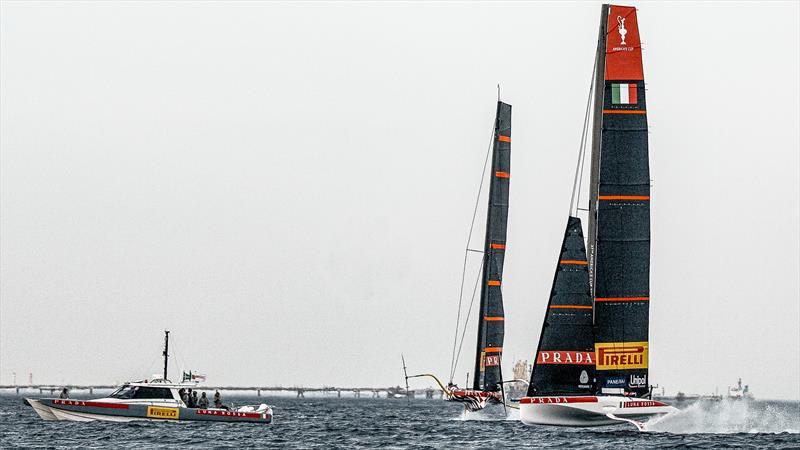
(589, 117)
(466, 251)
(577, 183)
(466, 320)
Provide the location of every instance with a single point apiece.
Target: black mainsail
(491, 318)
(619, 208)
(599, 306)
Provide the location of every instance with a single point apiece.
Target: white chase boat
(591, 366)
(158, 399)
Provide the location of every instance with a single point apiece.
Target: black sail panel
(565, 356)
(621, 213)
(490, 316)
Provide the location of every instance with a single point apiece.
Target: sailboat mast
(166, 351)
(597, 129)
(491, 316)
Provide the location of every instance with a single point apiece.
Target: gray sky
(288, 187)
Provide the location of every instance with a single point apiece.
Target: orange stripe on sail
(622, 299)
(570, 307)
(502, 175)
(502, 138)
(573, 261)
(498, 246)
(493, 318)
(624, 197)
(493, 349)
(494, 282)
(624, 111)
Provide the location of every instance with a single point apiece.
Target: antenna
(498, 92)
(405, 373)
(166, 352)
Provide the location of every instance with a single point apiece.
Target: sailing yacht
(487, 387)
(591, 365)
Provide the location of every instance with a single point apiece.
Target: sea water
(330, 422)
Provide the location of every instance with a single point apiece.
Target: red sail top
(623, 48)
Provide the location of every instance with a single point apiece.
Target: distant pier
(357, 392)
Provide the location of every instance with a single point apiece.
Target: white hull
(48, 413)
(589, 411)
(86, 417)
(43, 411)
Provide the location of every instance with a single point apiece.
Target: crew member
(203, 402)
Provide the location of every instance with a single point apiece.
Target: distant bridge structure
(386, 392)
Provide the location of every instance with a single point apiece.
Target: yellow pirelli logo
(158, 412)
(620, 355)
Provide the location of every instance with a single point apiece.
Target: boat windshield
(146, 392)
(125, 391)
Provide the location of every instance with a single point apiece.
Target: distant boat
(487, 387)
(157, 399)
(591, 365)
(740, 392)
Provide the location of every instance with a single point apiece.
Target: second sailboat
(487, 385)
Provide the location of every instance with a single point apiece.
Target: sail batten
(491, 332)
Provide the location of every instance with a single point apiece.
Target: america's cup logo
(621, 28)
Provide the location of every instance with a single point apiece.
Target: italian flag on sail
(623, 93)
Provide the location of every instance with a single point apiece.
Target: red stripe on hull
(210, 412)
(92, 404)
(643, 404)
(557, 400)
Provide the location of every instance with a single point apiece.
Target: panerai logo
(637, 380)
(621, 29)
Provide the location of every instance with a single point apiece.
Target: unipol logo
(492, 361)
(621, 29)
(637, 380)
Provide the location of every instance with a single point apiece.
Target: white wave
(496, 414)
(730, 416)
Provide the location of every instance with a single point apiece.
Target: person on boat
(194, 399)
(184, 397)
(203, 402)
(218, 401)
(64, 393)
(191, 399)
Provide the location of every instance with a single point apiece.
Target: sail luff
(491, 315)
(597, 126)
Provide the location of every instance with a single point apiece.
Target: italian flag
(623, 93)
